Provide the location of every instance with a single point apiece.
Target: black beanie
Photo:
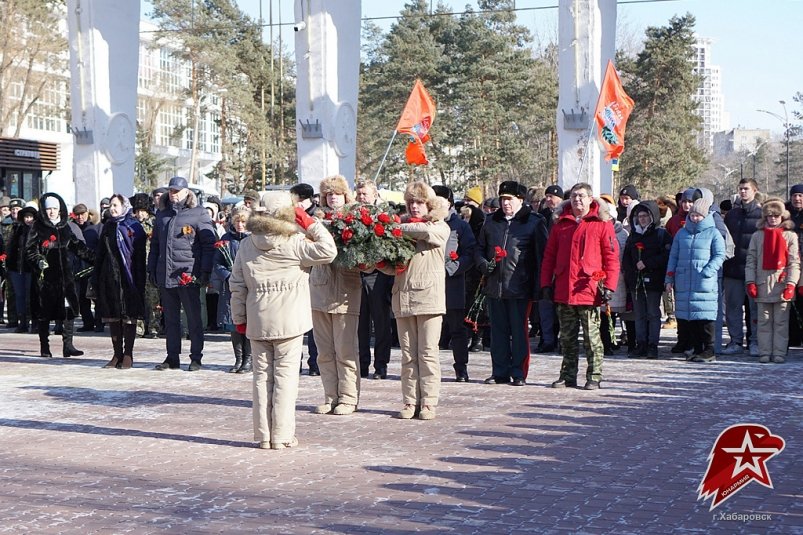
(797, 188)
(445, 192)
(631, 191)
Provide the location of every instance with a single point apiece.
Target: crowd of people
(484, 273)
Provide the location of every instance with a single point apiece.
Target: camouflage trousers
(571, 318)
(153, 311)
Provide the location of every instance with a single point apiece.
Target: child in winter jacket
(697, 253)
(772, 270)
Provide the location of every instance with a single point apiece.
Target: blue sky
(757, 43)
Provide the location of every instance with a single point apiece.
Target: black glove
(202, 279)
(607, 295)
(152, 278)
(547, 293)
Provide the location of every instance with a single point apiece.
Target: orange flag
(416, 120)
(613, 109)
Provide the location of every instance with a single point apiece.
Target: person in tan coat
(336, 294)
(419, 300)
(270, 304)
(772, 271)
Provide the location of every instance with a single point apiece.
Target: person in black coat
(180, 264)
(644, 263)
(19, 271)
(795, 207)
(51, 250)
(508, 256)
(475, 218)
(459, 259)
(119, 279)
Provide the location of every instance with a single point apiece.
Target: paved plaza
(90, 450)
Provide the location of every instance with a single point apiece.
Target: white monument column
(327, 38)
(586, 40)
(104, 57)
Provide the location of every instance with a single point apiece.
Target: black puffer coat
(741, 221)
(183, 241)
(15, 248)
(655, 244)
(524, 238)
(58, 246)
(117, 298)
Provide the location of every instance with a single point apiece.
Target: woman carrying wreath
(336, 294)
(119, 279)
(419, 300)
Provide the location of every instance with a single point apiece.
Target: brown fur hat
(338, 185)
(775, 206)
(438, 207)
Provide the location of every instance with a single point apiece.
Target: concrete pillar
(104, 57)
(327, 39)
(586, 40)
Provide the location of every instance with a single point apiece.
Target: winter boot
(246, 366)
(44, 344)
(22, 326)
(129, 335)
(476, 342)
(66, 337)
(237, 345)
(58, 327)
(116, 330)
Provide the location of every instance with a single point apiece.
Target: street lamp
(785, 121)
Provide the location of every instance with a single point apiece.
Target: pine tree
(661, 153)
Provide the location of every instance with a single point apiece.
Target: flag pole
(382, 163)
(585, 152)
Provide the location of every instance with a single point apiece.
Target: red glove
(788, 292)
(752, 290)
(303, 219)
(240, 328)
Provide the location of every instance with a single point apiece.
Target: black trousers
(700, 334)
(172, 300)
(459, 336)
(375, 308)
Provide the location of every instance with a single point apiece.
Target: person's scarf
(127, 229)
(775, 250)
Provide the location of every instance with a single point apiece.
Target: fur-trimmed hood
(267, 231)
(190, 202)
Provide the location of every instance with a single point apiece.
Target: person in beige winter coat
(419, 300)
(772, 271)
(336, 294)
(270, 304)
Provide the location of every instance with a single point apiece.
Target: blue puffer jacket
(698, 252)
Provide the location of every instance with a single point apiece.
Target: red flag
(416, 120)
(613, 109)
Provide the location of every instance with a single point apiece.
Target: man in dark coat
(795, 207)
(553, 196)
(180, 264)
(459, 259)
(507, 254)
(741, 222)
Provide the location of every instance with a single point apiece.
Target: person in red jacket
(580, 272)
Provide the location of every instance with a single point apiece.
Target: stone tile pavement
(90, 450)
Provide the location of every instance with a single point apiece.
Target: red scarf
(775, 252)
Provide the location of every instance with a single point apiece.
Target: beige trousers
(275, 365)
(338, 356)
(773, 329)
(420, 359)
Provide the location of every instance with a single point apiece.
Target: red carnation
(499, 253)
(52, 237)
(366, 219)
(46, 244)
(328, 216)
(397, 232)
(379, 230)
(453, 255)
(3, 257)
(396, 218)
(381, 264)
(383, 218)
(640, 246)
(598, 275)
(401, 268)
(347, 234)
(186, 279)
(349, 219)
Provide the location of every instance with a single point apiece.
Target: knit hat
(797, 188)
(688, 194)
(474, 194)
(629, 190)
(701, 206)
(52, 202)
(557, 191)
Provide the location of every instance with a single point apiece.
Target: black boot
(66, 337)
(245, 367)
(237, 345)
(116, 330)
(44, 344)
(129, 335)
(22, 327)
(58, 327)
(476, 342)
